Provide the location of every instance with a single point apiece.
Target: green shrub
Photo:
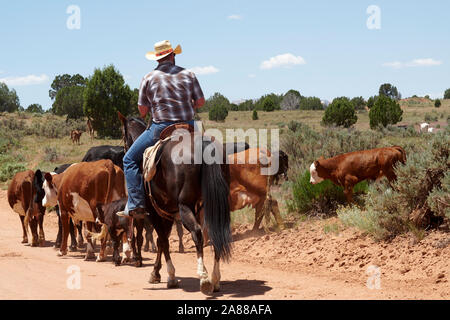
(9, 166)
(218, 113)
(341, 113)
(319, 199)
(437, 103)
(439, 198)
(269, 104)
(255, 115)
(384, 111)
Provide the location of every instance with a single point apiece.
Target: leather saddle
(152, 156)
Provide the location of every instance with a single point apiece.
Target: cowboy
(172, 94)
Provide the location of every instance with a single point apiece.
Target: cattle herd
(87, 195)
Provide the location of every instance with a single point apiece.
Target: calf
(348, 169)
(80, 192)
(118, 230)
(75, 136)
(113, 153)
(25, 194)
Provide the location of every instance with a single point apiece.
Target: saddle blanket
(149, 160)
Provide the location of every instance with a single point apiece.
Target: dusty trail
(36, 273)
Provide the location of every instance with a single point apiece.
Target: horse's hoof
(153, 249)
(34, 244)
(172, 283)
(73, 248)
(217, 287)
(25, 240)
(146, 248)
(61, 253)
(117, 263)
(181, 249)
(42, 243)
(206, 287)
(138, 263)
(154, 278)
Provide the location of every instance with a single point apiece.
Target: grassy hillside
(414, 111)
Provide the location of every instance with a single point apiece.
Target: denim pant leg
(132, 166)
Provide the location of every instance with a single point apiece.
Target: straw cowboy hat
(162, 49)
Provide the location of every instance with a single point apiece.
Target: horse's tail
(215, 191)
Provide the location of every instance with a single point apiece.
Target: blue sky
(242, 49)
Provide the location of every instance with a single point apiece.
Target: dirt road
(37, 273)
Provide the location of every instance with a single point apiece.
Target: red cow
(348, 169)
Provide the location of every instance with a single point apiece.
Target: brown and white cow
(249, 187)
(348, 169)
(25, 195)
(80, 192)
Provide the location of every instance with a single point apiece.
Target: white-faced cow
(348, 169)
(25, 195)
(80, 192)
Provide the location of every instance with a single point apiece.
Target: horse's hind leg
(194, 228)
(163, 228)
(215, 276)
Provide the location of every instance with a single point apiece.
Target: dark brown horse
(186, 188)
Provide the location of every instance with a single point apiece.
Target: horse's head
(132, 128)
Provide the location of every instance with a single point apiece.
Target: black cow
(283, 165)
(113, 153)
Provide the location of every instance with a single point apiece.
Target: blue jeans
(132, 163)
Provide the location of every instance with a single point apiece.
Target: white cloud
(234, 17)
(428, 62)
(252, 75)
(25, 81)
(204, 70)
(282, 60)
(424, 62)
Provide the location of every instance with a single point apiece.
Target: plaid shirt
(169, 92)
